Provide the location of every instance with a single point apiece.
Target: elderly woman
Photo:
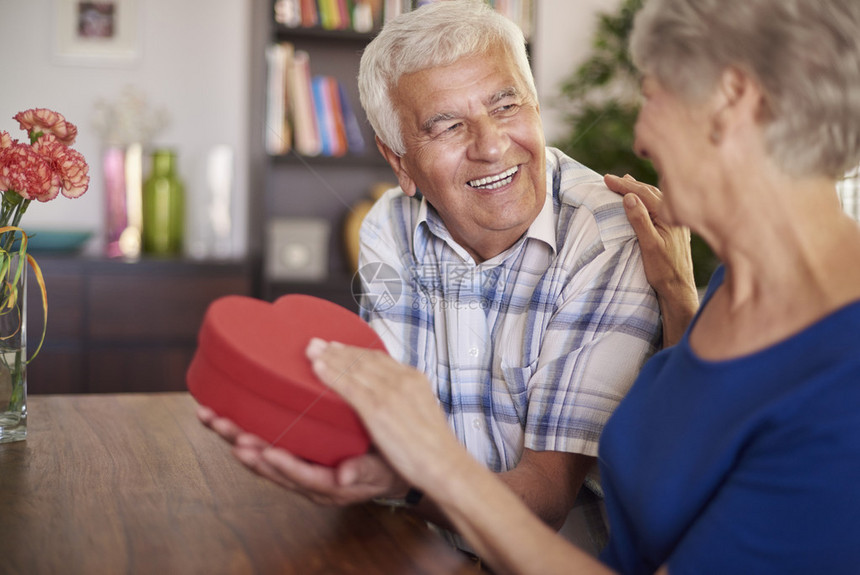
(738, 448)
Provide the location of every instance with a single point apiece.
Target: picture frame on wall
(96, 32)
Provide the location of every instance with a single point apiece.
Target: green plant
(600, 100)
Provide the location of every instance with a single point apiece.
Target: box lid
(250, 366)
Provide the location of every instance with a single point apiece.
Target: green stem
(16, 210)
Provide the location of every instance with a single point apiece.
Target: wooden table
(132, 483)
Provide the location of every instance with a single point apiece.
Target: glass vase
(116, 209)
(163, 207)
(13, 349)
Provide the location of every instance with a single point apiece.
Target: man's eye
(443, 129)
(507, 109)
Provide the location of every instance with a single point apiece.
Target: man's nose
(489, 140)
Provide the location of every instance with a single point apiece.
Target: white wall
(565, 33)
(193, 61)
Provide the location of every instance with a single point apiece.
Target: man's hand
(354, 480)
(666, 255)
(396, 404)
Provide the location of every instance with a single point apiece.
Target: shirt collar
(543, 227)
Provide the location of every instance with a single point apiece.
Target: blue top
(750, 465)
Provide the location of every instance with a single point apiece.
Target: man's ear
(407, 184)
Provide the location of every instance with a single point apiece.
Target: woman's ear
(738, 97)
(407, 184)
(733, 84)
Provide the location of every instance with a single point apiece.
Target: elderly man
(522, 293)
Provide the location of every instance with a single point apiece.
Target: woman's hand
(666, 254)
(397, 406)
(354, 480)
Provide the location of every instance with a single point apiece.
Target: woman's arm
(397, 407)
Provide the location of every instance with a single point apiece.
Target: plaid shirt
(533, 348)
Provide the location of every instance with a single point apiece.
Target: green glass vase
(163, 231)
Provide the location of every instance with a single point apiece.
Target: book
(393, 8)
(306, 138)
(329, 14)
(329, 116)
(278, 134)
(362, 16)
(323, 115)
(310, 13)
(339, 141)
(354, 137)
(367, 15)
(288, 13)
(345, 13)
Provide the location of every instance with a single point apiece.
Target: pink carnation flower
(28, 174)
(69, 164)
(49, 122)
(5, 140)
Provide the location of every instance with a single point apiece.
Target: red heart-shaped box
(250, 367)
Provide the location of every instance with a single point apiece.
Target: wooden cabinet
(115, 326)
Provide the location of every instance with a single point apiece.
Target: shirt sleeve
(385, 270)
(604, 329)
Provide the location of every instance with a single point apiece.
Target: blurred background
(195, 60)
(192, 78)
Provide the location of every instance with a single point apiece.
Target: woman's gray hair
(805, 54)
(437, 34)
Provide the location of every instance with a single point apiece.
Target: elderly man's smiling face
(475, 148)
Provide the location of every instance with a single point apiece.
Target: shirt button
(476, 423)
(474, 352)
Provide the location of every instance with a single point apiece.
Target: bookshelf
(295, 186)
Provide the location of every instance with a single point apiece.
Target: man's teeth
(497, 181)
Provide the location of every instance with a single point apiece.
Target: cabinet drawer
(168, 308)
(65, 306)
(137, 369)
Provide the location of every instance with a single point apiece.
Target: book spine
(288, 13)
(393, 9)
(307, 137)
(354, 137)
(277, 137)
(323, 115)
(345, 12)
(339, 142)
(310, 13)
(328, 14)
(362, 16)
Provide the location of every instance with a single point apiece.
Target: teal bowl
(55, 241)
